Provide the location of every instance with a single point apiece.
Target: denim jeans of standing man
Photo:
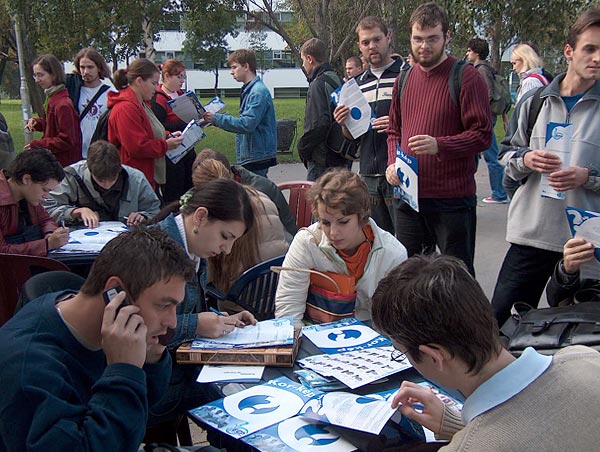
(495, 170)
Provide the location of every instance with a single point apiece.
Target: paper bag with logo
(331, 296)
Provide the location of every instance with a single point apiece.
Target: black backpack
(101, 131)
(336, 141)
(501, 98)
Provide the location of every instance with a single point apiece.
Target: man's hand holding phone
(123, 331)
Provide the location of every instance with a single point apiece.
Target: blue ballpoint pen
(216, 311)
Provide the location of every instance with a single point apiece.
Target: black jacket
(318, 118)
(373, 145)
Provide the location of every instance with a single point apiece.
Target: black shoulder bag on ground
(550, 329)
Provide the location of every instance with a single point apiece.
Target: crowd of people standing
(219, 219)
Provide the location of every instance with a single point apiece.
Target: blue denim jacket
(193, 303)
(256, 128)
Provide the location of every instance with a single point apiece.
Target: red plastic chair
(15, 270)
(299, 204)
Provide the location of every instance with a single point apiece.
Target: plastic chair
(299, 204)
(48, 282)
(16, 269)
(254, 290)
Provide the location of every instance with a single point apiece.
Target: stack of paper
(268, 333)
(266, 415)
(355, 354)
(191, 135)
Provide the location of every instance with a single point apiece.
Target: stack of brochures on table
(285, 416)
(282, 415)
(355, 354)
(268, 333)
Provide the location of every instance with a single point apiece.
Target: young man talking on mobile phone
(79, 373)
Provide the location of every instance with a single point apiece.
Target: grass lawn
(217, 139)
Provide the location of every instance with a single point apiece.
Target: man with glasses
(437, 314)
(444, 134)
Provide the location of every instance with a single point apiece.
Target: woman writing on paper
(178, 175)
(208, 221)
(345, 240)
(132, 126)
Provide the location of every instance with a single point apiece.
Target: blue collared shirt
(505, 384)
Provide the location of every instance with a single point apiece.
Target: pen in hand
(238, 322)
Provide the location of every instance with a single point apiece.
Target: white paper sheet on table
(226, 372)
(266, 333)
(356, 369)
(92, 240)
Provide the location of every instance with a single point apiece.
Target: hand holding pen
(217, 324)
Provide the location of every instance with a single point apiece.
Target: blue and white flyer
(586, 224)
(559, 137)
(407, 168)
(367, 413)
(191, 135)
(298, 434)
(344, 335)
(357, 368)
(268, 333)
(255, 408)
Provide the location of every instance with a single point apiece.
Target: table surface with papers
(391, 438)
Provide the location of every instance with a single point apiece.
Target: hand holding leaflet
(191, 135)
(359, 119)
(187, 106)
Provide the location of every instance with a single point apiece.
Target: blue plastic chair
(254, 290)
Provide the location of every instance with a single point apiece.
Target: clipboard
(284, 356)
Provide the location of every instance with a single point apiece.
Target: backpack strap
(95, 205)
(102, 90)
(534, 110)
(540, 77)
(455, 81)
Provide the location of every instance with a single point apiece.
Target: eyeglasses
(181, 76)
(398, 356)
(431, 41)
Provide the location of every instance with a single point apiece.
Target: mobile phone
(166, 338)
(109, 294)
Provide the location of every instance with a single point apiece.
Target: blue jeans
(523, 277)
(381, 194)
(495, 169)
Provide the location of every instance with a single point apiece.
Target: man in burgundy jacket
(444, 135)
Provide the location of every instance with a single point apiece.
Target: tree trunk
(216, 79)
(149, 49)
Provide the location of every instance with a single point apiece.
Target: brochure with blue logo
(344, 335)
(298, 434)
(357, 368)
(255, 408)
(559, 137)
(268, 333)
(407, 168)
(586, 224)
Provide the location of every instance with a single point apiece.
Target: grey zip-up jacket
(532, 219)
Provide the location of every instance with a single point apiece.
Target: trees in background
(122, 30)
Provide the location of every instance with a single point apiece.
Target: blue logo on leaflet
(347, 334)
(318, 435)
(258, 404)
(364, 400)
